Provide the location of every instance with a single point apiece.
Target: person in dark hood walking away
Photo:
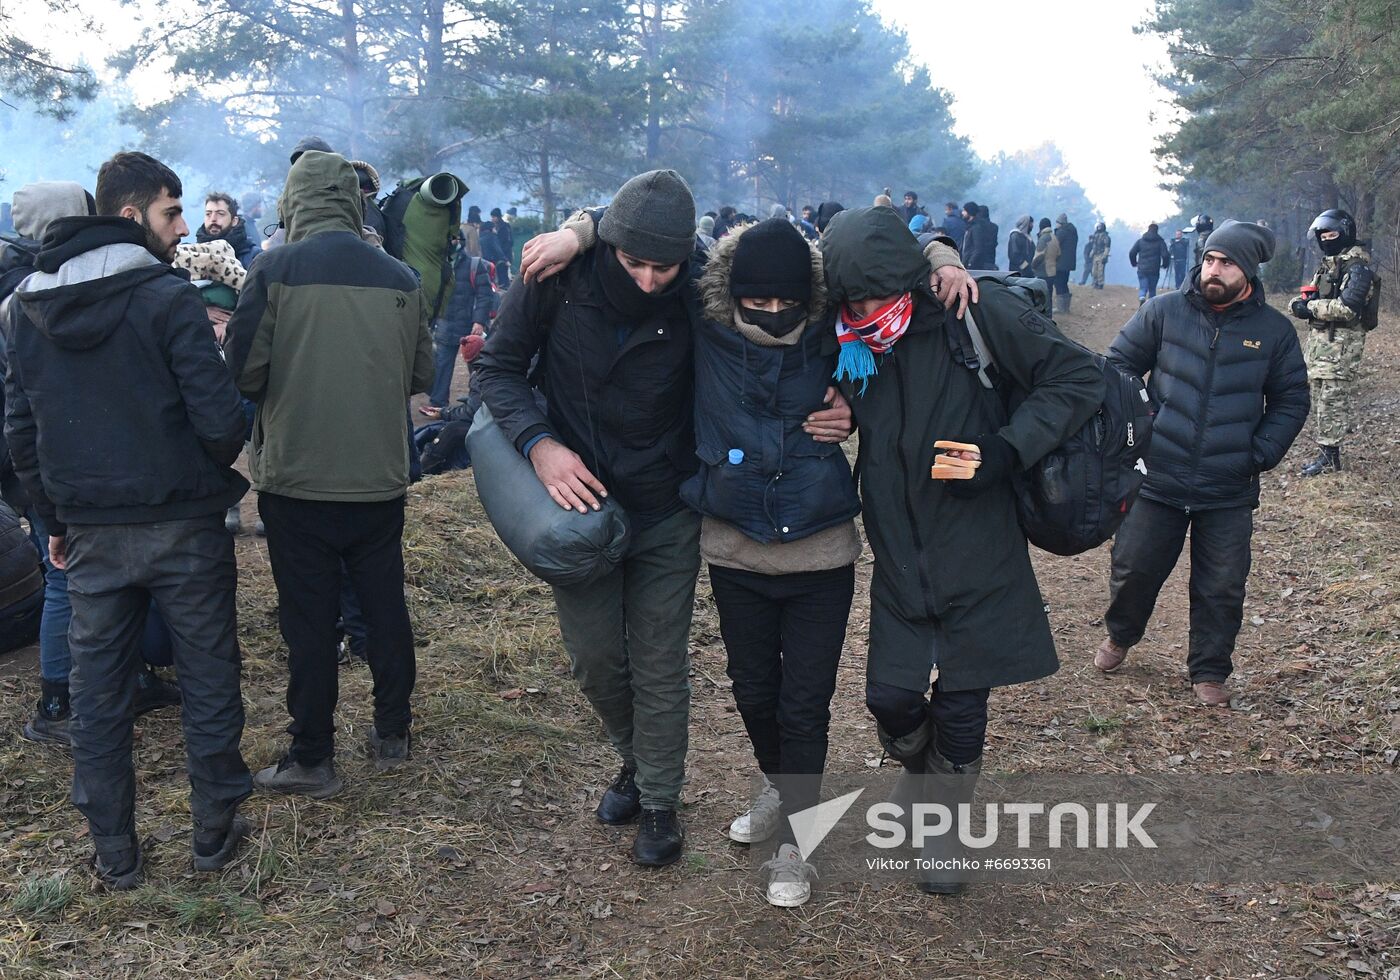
(953, 589)
(1020, 247)
(978, 244)
(993, 235)
(330, 339)
(133, 491)
(1148, 255)
(222, 222)
(1068, 236)
(1227, 372)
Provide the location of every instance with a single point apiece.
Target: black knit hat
(772, 260)
(1243, 243)
(652, 217)
(971, 208)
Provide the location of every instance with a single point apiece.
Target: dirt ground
(483, 859)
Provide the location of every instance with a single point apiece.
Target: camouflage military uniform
(1335, 344)
(1099, 245)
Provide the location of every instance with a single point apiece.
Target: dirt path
(483, 859)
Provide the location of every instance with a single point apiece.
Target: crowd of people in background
(707, 358)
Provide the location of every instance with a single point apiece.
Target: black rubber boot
(953, 786)
(214, 849)
(660, 839)
(1329, 460)
(153, 692)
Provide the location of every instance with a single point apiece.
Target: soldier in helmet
(1096, 252)
(1345, 306)
(1203, 226)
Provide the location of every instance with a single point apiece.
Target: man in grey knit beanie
(652, 217)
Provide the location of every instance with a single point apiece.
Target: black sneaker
(121, 870)
(622, 801)
(319, 782)
(153, 692)
(660, 839)
(389, 751)
(214, 849)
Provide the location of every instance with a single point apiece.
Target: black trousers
(307, 540)
(114, 573)
(1146, 549)
(783, 635)
(959, 717)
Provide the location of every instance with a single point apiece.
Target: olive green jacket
(330, 339)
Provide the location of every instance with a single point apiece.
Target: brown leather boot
(1212, 694)
(1110, 656)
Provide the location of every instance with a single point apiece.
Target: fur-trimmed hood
(719, 303)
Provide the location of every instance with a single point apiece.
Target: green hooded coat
(330, 338)
(953, 583)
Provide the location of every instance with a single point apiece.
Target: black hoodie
(119, 408)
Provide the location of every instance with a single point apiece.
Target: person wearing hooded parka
(955, 607)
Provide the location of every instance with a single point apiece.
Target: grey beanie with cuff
(652, 217)
(1244, 243)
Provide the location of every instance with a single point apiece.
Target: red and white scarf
(862, 338)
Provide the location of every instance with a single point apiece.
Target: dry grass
(481, 859)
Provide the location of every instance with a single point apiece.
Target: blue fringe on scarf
(856, 363)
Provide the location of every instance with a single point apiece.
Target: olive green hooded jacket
(330, 338)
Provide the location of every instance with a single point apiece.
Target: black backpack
(1075, 498)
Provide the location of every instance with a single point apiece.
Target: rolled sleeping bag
(562, 547)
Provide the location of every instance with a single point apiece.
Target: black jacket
(472, 301)
(119, 408)
(21, 575)
(1233, 393)
(1020, 250)
(618, 388)
(243, 246)
(1180, 250)
(1149, 254)
(1069, 247)
(979, 250)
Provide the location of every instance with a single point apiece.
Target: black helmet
(1203, 223)
(1334, 219)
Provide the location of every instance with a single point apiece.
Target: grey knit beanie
(652, 217)
(1243, 243)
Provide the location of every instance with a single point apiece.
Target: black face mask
(1336, 246)
(778, 324)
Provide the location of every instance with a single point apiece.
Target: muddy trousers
(959, 718)
(783, 635)
(1145, 550)
(628, 639)
(114, 572)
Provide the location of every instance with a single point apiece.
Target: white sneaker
(788, 874)
(761, 822)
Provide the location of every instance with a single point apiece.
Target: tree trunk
(354, 79)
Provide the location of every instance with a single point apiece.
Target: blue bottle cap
(736, 456)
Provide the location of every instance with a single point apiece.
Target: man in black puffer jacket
(1228, 373)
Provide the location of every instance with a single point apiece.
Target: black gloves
(998, 463)
(1299, 308)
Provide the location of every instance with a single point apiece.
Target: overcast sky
(1022, 72)
(1079, 78)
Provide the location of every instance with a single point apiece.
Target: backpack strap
(982, 362)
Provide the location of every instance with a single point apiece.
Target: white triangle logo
(810, 826)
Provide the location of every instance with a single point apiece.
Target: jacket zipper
(930, 601)
(1201, 427)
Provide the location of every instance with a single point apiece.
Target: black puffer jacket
(1233, 393)
(619, 388)
(21, 575)
(979, 250)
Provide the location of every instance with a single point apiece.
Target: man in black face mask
(618, 382)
